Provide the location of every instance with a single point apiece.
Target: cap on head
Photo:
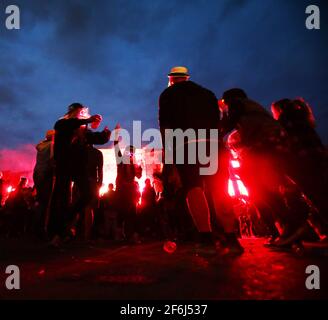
(179, 72)
(235, 93)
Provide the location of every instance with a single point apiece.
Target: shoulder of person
(59, 122)
(253, 106)
(195, 86)
(166, 92)
(64, 121)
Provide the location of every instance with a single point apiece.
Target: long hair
(296, 111)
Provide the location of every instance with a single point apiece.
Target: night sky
(114, 56)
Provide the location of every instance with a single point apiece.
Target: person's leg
(130, 223)
(286, 202)
(199, 210)
(59, 205)
(197, 203)
(82, 211)
(224, 214)
(217, 186)
(88, 222)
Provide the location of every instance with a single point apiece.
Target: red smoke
(18, 162)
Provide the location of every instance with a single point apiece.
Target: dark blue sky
(114, 57)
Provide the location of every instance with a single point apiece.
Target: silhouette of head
(23, 182)
(147, 183)
(233, 94)
(294, 111)
(77, 110)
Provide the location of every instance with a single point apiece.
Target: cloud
(115, 57)
(7, 96)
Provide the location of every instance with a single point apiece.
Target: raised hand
(95, 118)
(107, 131)
(117, 131)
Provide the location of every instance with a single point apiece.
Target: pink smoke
(18, 162)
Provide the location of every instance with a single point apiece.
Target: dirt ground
(102, 270)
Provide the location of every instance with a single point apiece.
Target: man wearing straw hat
(187, 106)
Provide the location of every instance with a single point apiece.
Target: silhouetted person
(309, 156)
(127, 191)
(109, 198)
(148, 197)
(148, 208)
(108, 204)
(186, 105)
(43, 179)
(71, 139)
(1, 188)
(17, 207)
(262, 146)
(93, 180)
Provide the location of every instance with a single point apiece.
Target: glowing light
(241, 188)
(231, 189)
(170, 247)
(222, 104)
(235, 164)
(236, 188)
(103, 189)
(110, 169)
(10, 189)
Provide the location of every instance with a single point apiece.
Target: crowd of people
(122, 215)
(283, 165)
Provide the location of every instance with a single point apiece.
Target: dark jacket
(188, 105)
(1, 191)
(94, 169)
(65, 133)
(148, 197)
(43, 169)
(257, 130)
(126, 172)
(70, 151)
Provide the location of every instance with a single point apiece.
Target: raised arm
(118, 153)
(98, 137)
(74, 123)
(100, 168)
